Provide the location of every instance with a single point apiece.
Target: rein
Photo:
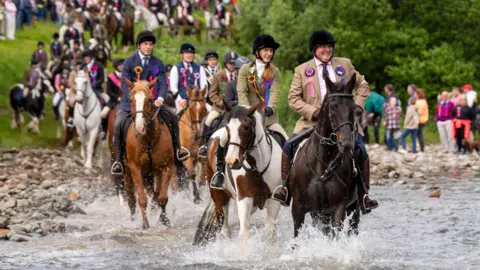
(85, 99)
(192, 122)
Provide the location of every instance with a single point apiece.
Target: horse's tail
(207, 227)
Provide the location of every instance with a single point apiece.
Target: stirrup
(184, 158)
(70, 124)
(200, 150)
(276, 199)
(113, 165)
(218, 188)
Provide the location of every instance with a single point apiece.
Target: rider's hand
(182, 103)
(268, 112)
(158, 102)
(370, 115)
(316, 114)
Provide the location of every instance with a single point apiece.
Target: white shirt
(260, 67)
(471, 96)
(142, 57)
(89, 65)
(228, 75)
(331, 74)
(174, 78)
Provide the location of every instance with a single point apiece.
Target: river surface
(408, 231)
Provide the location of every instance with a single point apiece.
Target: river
(408, 231)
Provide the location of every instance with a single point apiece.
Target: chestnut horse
(149, 153)
(252, 172)
(190, 133)
(322, 175)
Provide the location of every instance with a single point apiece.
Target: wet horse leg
(130, 191)
(244, 211)
(337, 218)
(137, 175)
(273, 207)
(162, 199)
(190, 165)
(298, 214)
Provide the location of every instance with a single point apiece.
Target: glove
(316, 114)
(268, 112)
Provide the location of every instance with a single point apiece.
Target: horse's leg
(137, 176)
(355, 220)
(91, 147)
(21, 120)
(163, 195)
(273, 207)
(130, 192)
(337, 218)
(244, 211)
(14, 123)
(298, 214)
(190, 165)
(226, 229)
(36, 128)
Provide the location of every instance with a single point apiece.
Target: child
(392, 123)
(410, 126)
(462, 116)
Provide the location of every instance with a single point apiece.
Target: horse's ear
(203, 92)
(253, 108)
(129, 83)
(189, 90)
(331, 87)
(351, 84)
(152, 83)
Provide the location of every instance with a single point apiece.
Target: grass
(15, 57)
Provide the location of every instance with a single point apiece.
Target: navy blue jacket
(189, 80)
(154, 69)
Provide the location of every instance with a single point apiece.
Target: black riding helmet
(264, 41)
(230, 57)
(40, 42)
(67, 67)
(33, 62)
(146, 35)
(87, 52)
(116, 62)
(321, 37)
(242, 60)
(56, 36)
(187, 47)
(211, 54)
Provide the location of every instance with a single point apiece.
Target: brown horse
(322, 175)
(149, 153)
(113, 27)
(189, 29)
(128, 32)
(117, 179)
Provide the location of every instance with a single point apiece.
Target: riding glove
(268, 111)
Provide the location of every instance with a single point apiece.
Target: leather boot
(202, 152)
(281, 193)
(366, 204)
(117, 167)
(181, 153)
(56, 111)
(104, 128)
(70, 117)
(218, 178)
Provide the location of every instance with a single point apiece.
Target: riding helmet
(33, 62)
(56, 36)
(67, 67)
(40, 42)
(116, 62)
(168, 67)
(146, 35)
(264, 41)
(87, 52)
(187, 47)
(70, 21)
(211, 54)
(241, 60)
(230, 57)
(76, 42)
(321, 37)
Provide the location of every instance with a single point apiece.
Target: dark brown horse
(117, 179)
(322, 175)
(113, 27)
(189, 29)
(128, 32)
(149, 153)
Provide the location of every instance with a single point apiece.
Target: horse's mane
(141, 86)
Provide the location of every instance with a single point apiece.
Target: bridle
(192, 123)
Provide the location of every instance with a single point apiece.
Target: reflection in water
(408, 231)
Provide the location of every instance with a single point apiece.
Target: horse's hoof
(164, 219)
(145, 226)
(197, 201)
(294, 246)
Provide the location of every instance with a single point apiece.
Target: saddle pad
(277, 136)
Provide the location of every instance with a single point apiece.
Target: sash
(115, 80)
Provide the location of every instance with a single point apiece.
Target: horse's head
(82, 86)
(197, 106)
(142, 103)
(337, 114)
(241, 127)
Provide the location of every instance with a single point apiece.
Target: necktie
(231, 76)
(188, 69)
(145, 62)
(325, 70)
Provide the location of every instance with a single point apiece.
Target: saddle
(277, 136)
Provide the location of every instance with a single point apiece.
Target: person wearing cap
(61, 85)
(96, 71)
(186, 73)
(74, 53)
(70, 35)
(40, 55)
(30, 77)
(216, 95)
(231, 96)
(99, 34)
(151, 69)
(55, 47)
(69, 110)
(307, 103)
(114, 90)
(210, 58)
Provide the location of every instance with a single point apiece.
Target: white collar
(185, 64)
(89, 65)
(318, 63)
(118, 73)
(141, 55)
(260, 63)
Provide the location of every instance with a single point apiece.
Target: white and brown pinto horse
(87, 117)
(251, 174)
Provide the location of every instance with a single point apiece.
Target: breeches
(211, 116)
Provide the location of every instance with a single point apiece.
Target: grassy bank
(15, 60)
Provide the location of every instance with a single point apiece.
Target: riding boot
(104, 127)
(367, 204)
(218, 178)
(202, 152)
(117, 167)
(56, 111)
(70, 117)
(281, 193)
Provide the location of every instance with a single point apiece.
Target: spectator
(411, 89)
(422, 108)
(11, 10)
(392, 123)
(455, 96)
(444, 116)
(391, 93)
(374, 110)
(3, 18)
(24, 11)
(41, 9)
(410, 127)
(461, 123)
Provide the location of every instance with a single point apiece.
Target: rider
(70, 35)
(257, 81)
(216, 94)
(114, 90)
(74, 53)
(307, 104)
(184, 9)
(211, 58)
(220, 11)
(61, 84)
(30, 77)
(152, 67)
(99, 34)
(40, 55)
(231, 96)
(186, 73)
(96, 72)
(69, 113)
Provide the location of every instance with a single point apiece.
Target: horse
(322, 174)
(149, 153)
(112, 25)
(190, 136)
(195, 28)
(87, 117)
(33, 103)
(151, 22)
(214, 28)
(68, 132)
(116, 179)
(128, 32)
(251, 174)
